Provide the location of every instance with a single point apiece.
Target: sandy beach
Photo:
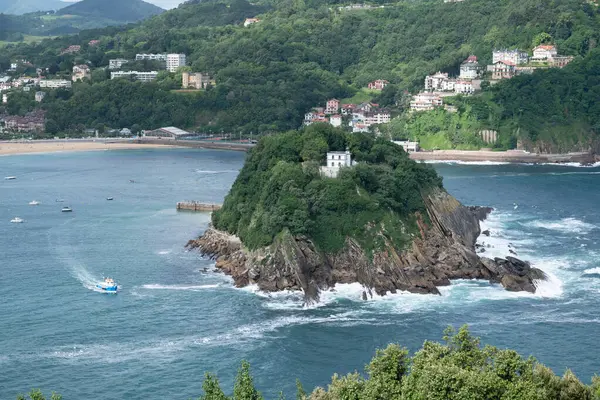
(51, 146)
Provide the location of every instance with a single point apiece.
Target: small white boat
(16, 220)
(10, 178)
(59, 200)
(67, 209)
(107, 286)
(110, 198)
(34, 203)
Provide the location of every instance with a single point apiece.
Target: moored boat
(10, 178)
(108, 286)
(67, 209)
(34, 203)
(16, 220)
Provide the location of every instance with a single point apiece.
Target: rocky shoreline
(444, 252)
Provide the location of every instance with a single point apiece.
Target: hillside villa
(81, 72)
(469, 69)
(516, 56)
(196, 80)
(71, 49)
(503, 70)
(250, 21)
(378, 84)
(425, 101)
(544, 52)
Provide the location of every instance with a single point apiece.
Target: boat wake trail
(192, 288)
(88, 280)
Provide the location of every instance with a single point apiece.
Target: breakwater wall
(199, 144)
(197, 206)
(511, 156)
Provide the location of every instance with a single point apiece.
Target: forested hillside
(116, 10)
(303, 52)
(19, 7)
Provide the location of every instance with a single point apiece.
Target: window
(339, 164)
(339, 157)
(332, 164)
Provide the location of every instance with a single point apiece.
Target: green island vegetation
(460, 368)
(303, 52)
(280, 189)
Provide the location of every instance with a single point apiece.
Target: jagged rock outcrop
(445, 251)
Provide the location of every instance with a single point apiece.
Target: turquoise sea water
(171, 322)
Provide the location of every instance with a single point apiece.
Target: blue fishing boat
(107, 286)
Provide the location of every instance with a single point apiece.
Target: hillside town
(42, 82)
(360, 117)
(506, 64)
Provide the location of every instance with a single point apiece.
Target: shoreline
(13, 148)
(509, 156)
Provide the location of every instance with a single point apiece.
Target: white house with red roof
(503, 70)
(544, 52)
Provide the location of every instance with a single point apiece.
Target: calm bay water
(172, 322)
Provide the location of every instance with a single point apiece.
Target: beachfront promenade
(511, 156)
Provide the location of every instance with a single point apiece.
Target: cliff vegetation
(280, 188)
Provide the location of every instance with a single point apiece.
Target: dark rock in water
(481, 250)
(364, 296)
(514, 274)
(445, 250)
(486, 232)
(511, 251)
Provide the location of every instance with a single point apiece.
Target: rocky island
(371, 215)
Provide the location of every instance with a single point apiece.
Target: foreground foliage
(280, 188)
(458, 369)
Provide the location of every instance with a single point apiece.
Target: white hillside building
(336, 160)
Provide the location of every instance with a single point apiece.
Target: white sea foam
(592, 271)
(573, 164)
(565, 225)
(156, 286)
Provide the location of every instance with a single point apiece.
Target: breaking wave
(565, 225)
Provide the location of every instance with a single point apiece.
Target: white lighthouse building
(336, 160)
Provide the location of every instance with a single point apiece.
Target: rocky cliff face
(445, 251)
